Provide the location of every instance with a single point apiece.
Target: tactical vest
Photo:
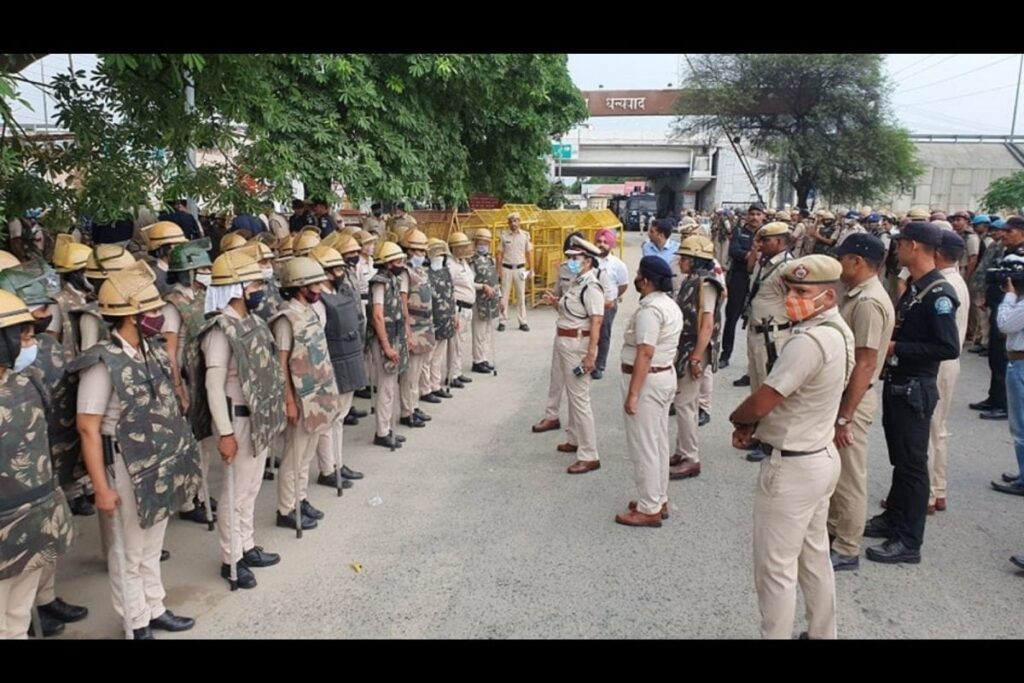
(159, 451)
(192, 314)
(828, 232)
(68, 300)
(394, 321)
(486, 272)
(272, 301)
(421, 311)
(348, 287)
(61, 411)
(35, 521)
(443, 302)
(90, 309)
(309, 364)
(691, 302)
(259, 372)
(344, 333)
(159, 274)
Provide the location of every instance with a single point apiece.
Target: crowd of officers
(126, 375)
(129, 376)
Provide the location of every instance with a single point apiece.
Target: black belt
(242, 411)
(767, 449)
(511, 267)
(463, 305)
(761, 329)
(365, 297)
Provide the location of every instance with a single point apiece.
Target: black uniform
(297, 221)
(326, 224)
(741, 243)
(925, 334)
(997, 358)
(184, 220)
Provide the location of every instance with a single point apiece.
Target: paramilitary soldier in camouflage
(488, 301)
(264, 257)
(34, 514)
(188, 277)
(701, 298)
(445, 322)
(33, 283)
(421, 330)
(311, 396)
(139, 450)
(69, 259)
(344, 329)
(238, 398)
(88, 323)
(386, 337)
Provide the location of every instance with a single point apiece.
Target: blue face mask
(26, 358)
(574, 266)
(254, 299)
(483, 249)
(417, 261)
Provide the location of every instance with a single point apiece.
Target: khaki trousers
(437, 369)
(512, 277)
(248, 471)
(483, 340)
(459, 344)
(387, 390)
(848, 508)
(687, 401)
(16, 596)
(938, 437)
(293, 476)
(582, 433)
(647, 439)
(410, 381)
(328, 446)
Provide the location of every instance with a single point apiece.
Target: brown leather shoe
(688, 468)
(635, 518)
(940, 504)
(675, 460)
(664, 509)
(567, 448)
(546, 426)
(584, 466)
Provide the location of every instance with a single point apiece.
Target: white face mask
(437, 263)
(205, 279)
(417, 261)
(268, 273)
(26, 358)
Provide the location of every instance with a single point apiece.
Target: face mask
(151, 325)
(26, 358)
(311, 296)
(352, 260)
(574, 267)
(268, 273)
(417, 261)
(205, 279)
(483, 249)
(41, 324)
(799, 309)
(253, 300)
(636, 284)
(437, 263)
(397, 270)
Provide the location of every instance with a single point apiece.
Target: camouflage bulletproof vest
(394, 321)
(309, 365)
(69, 299)
(443, 302)
(345, 343)
(829, 232)
(690, 301)
(486, 273)
(272, 301)
(90, 309)
(35, 521)
(347, 286)
(259, 372)
(192, 314)
(61, 412)
(421, 311)
(153, 437)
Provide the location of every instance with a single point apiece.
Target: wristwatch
(842, 421)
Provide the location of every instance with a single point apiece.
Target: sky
(935, 93)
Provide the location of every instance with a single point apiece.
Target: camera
(1010, 267)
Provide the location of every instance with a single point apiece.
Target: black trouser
(738, 281)
(605, 341)
(997, 361)
(907, 407)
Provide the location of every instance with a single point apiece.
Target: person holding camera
(1011, 240)
(580, 311)
(1010, 318)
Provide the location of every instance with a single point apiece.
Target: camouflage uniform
(387, 373)
(95, 330)
(443, 303)
(298, 330)
(158, 467)
(243, 349)
(271, 303)
(486, 309)
(35, 521)
(69, 299)
(421, 343)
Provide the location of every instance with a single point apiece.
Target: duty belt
(575, 334)
(627, 369)
(767, 449)
(761, 329)
(511, 267)
(463, 305)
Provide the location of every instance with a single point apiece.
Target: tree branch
(14, 63)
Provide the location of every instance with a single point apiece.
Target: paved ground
(481, 534)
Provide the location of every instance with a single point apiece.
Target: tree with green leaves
(825, 117)
(431, 127)
(1005, 194)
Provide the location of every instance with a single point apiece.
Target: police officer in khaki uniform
(792, 415)
(160, 238)
(376, 223)
(766, 309)
(386, 338)
(238, 398)
(488, 301)
(515, 255)
(446, 322)
(69, 260)
(312, 403)
(867, 310)
(580, 310)
(465, 294)
(700, 299)
(648, 383)
(137, 447)
(419, 330)
(87, 322)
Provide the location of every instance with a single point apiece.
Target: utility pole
(1016, 98)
